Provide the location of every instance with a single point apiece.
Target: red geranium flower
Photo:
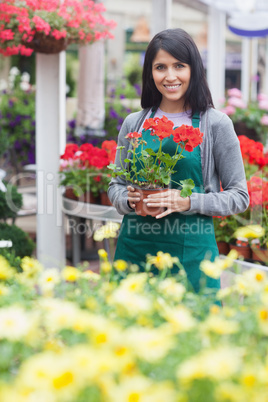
(133, 135)
(189, 135)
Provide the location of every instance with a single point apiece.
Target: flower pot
(223, 247)
(260, 254)
(86, 197)
(243, 251)
(46, 44)
(69, 193)
(142, 208)
(104, 199)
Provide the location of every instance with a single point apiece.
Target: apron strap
(196, 120)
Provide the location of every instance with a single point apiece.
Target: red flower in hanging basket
(48, 26)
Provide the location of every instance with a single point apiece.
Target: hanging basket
(46, 44)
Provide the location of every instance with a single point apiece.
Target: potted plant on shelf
(50, 26)
(224, 227)
(249, 119)
(151, 171)
(83, 170)
(244, 235)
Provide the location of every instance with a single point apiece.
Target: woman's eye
(159, 67)
(179, 65)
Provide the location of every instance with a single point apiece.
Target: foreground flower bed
(130, 336)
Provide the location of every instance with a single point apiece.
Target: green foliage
(10, 202)
(13, 260)
(22, 243)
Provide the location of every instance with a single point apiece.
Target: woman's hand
(133, 196)
(170, 199)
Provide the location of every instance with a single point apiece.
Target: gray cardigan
(221, 163)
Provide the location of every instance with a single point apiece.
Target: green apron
(191, 238)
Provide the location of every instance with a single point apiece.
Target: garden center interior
(78, 324)
(100, 94)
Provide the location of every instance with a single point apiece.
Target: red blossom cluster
(88, 156)
(187, 135)
(258, 191)
(79, 21)
(160, 127)
(252, 151)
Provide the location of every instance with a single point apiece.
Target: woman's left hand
(170, 199)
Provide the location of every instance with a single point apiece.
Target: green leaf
(187, 186)
(112, 166)
(127, 160)
(150, 151)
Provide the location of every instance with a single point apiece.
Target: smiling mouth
(172, 86)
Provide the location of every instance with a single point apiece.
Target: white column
(216, 54)
(91, 104)
(245, 69)
(254, 67)
(161, 15)
(50, 142)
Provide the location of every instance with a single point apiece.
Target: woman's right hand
(133, 196)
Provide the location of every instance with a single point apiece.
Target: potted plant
(224, 227)
(249, 119)
(151, 171)
(50, 26)
(83, 170)
(259, 247)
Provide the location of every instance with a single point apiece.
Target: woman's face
(172, 79)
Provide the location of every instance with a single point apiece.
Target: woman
(174, 85)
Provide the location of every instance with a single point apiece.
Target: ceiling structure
(230, 6)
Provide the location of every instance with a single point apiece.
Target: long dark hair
(180, 45)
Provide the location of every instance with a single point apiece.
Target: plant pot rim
(149, 188)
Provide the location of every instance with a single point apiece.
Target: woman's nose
(171, 75)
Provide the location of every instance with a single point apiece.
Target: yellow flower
(105, 267)
(219, 325)
(6, 272)
(250, 231)
(31, 266)
(15, 323)
(215, 269)
(134, 282)
(52, 372)
(48, 279)
(106, 231)
(162, 260)
(70, 274)
(218, 364)
(103, 254)
(179, 317)
(169, 287)
(90, 275)
(129, 302)
(120, 265)
(59, 314)
(263, 319)
(150, 344)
